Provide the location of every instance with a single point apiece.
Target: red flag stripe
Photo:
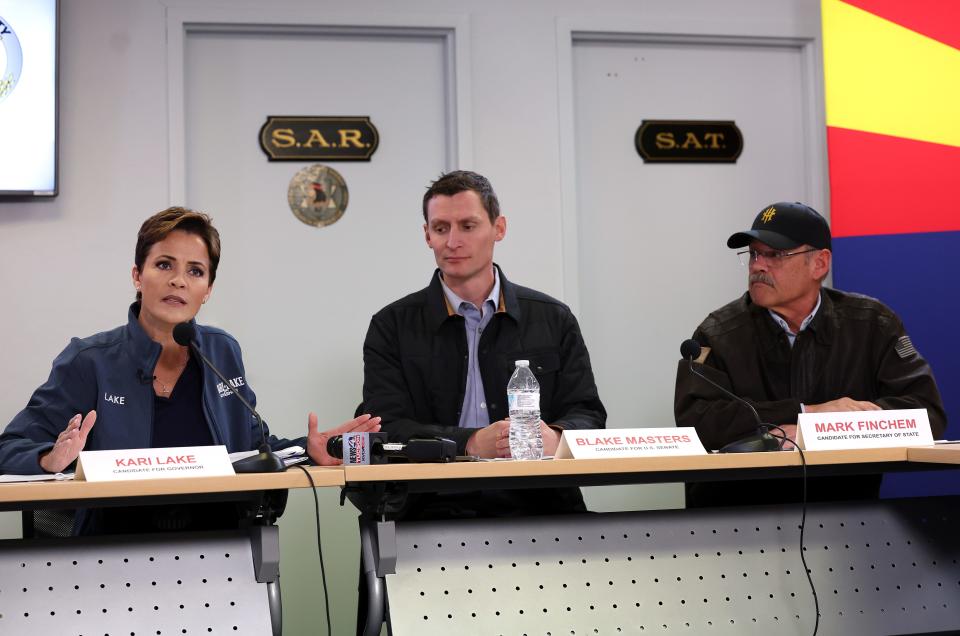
(889, 185)
(937, 19)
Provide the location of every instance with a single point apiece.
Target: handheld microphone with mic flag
(185, 335)
(763, 440)
(373, 448)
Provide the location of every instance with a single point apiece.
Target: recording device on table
(185, 335)
(373, 448)
(762, 440)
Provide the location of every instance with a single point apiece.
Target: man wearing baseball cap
(791, 345)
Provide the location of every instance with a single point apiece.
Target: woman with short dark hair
(134, 386)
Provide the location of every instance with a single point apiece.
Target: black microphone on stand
(185, 335)
(763, 440)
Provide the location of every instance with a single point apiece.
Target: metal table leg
(376, 597)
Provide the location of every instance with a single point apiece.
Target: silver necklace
(163, 387)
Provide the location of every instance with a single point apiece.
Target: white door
(651, 237)
(299, 298)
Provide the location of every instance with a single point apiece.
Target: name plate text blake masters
(629, 442)
(154, 463)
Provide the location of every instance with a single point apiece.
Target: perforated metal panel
(879, 568)
(132, 586)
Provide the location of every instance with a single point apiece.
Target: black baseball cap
(784, 226)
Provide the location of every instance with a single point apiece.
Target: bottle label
(525, 401)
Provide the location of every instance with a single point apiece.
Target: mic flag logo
(12, 60)
(357, 451)
(768, 214)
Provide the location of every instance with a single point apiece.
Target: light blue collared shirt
(473, 414)
(803, 325)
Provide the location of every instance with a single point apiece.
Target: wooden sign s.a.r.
(288, 138)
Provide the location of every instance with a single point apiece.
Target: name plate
(629, 442)
(154, 463)
(863, 429)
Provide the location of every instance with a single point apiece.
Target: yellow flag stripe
(884, 78)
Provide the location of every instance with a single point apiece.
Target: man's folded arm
(905, 381)
(718, 418)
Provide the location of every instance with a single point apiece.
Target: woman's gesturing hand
(317, 440)
(69, 443)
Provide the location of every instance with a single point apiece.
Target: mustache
(761, 277)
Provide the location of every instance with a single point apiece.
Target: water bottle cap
(523, 363)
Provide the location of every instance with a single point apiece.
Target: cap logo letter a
(768, 214)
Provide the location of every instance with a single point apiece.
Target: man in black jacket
(790, 345)
(437, 362)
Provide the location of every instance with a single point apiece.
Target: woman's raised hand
(69, 443)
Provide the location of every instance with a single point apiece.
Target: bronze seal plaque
(318, 195)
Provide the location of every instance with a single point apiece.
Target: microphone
(185, 334)
(763, 440)
(373, 448)
(690, 349)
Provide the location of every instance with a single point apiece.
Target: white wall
(66, 261)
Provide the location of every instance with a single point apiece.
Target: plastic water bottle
(523, 396)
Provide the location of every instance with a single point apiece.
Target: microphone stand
(266, 461)
(762, 441)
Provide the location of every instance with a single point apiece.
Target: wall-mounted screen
(28, 97)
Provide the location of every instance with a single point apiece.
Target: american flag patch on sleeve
(905, 347)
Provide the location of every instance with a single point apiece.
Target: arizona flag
(892, 75)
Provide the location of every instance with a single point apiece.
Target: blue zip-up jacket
(112, 372)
